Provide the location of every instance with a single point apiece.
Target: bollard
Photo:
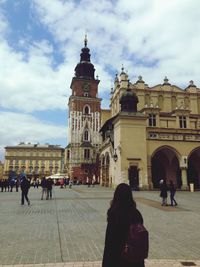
(191, 187)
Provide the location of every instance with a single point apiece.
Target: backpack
(136, 247)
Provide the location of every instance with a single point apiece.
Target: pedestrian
(88, 181)
(70, 183)
(17, 184)
(2, 184)
(172, 190)
(49, 188)
(120, 215)
(44, 187)
(25, 185)
(163, 192)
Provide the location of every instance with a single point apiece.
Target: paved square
(71, 226)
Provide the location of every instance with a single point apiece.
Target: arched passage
(193, 171)
(165, 166)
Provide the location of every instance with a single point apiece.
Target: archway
(193, 171)
(165, 166)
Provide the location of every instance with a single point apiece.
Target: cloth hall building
(148, 134)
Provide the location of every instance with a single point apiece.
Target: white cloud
(151, 38)
(125, 31)
(18, 127)
(29, 82)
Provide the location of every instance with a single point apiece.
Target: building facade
(81, 155)
(1, 169)
(34, 159)
(158, 139)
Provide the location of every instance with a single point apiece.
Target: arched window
(86, 136)
(86, 110)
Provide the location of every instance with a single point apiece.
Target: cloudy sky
(40, 43)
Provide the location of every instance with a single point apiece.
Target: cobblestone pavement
(69, 230)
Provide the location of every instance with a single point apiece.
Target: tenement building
(36, 160)
(153, 133)
(81, 157)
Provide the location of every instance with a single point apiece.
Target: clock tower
(83, 122)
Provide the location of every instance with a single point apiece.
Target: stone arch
(193, 168)
(165, 165)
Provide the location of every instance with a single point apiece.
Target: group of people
(46, 185)
(164, 188)
(7, 185)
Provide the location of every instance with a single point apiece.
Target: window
(152, 120)
(86, 136)
(86, 153)
(68, 154)
(86, 110)
(182, 122)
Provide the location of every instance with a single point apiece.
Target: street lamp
(115, 157)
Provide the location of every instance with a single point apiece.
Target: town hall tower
(84, 121)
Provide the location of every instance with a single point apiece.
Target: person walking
(172, 190)
(120, 215)
(163, 192)
(44, 187)
(25, 185)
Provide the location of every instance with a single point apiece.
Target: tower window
(68, 154)
(182, 122)
(86, 153)
(152, 120)
(86, 110)
(86, 136)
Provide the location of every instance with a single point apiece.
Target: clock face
(86, 87)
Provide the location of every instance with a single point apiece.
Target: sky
(40, 44)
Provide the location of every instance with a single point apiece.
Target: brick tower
(83, 121)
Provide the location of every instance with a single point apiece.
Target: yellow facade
(159, 141)
(1, 169)
(34, 159)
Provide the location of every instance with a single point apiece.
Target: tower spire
(85, 40)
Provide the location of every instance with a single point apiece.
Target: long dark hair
(122, 203)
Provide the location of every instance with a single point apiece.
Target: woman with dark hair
(121, 214)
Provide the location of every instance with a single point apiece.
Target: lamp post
(115, 157)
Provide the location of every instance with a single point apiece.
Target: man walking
(172, 190)
(25, 185)
(44, 187)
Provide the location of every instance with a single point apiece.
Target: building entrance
(133, 177)
(165, 166)
(193, 171)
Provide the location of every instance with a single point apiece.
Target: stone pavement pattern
(69, 230)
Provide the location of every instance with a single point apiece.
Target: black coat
(116, 235)
(163, 190)
(25, 185)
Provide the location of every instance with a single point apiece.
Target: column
(184, 178)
